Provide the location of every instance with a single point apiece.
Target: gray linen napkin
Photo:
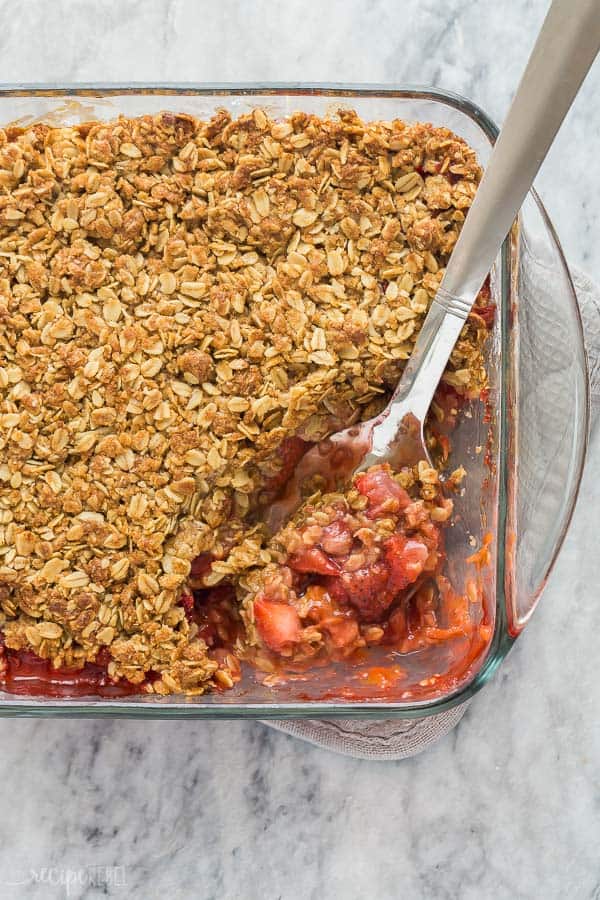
(401, 738)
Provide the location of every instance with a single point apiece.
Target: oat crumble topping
(179, 299)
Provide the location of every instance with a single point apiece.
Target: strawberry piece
(366, 590)
(277, 623)
(405, 559)
(384, 494)
(372, 589)
(313, 561)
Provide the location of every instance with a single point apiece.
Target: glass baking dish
(522, 489)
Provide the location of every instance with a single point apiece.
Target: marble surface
(506, 806)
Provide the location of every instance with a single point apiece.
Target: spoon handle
(564, 51)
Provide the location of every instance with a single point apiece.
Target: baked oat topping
(184, 306)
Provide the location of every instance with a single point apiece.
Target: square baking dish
(524, 450)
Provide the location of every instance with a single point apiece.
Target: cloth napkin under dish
(401, 738)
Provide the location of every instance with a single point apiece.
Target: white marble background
(508, 806)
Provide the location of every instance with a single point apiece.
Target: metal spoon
(564, 51)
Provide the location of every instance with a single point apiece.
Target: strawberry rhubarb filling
(357, 569)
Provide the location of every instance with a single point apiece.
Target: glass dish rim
(503, 639)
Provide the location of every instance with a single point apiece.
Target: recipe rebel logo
(72, 881)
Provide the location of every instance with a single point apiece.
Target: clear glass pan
(524, 494)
